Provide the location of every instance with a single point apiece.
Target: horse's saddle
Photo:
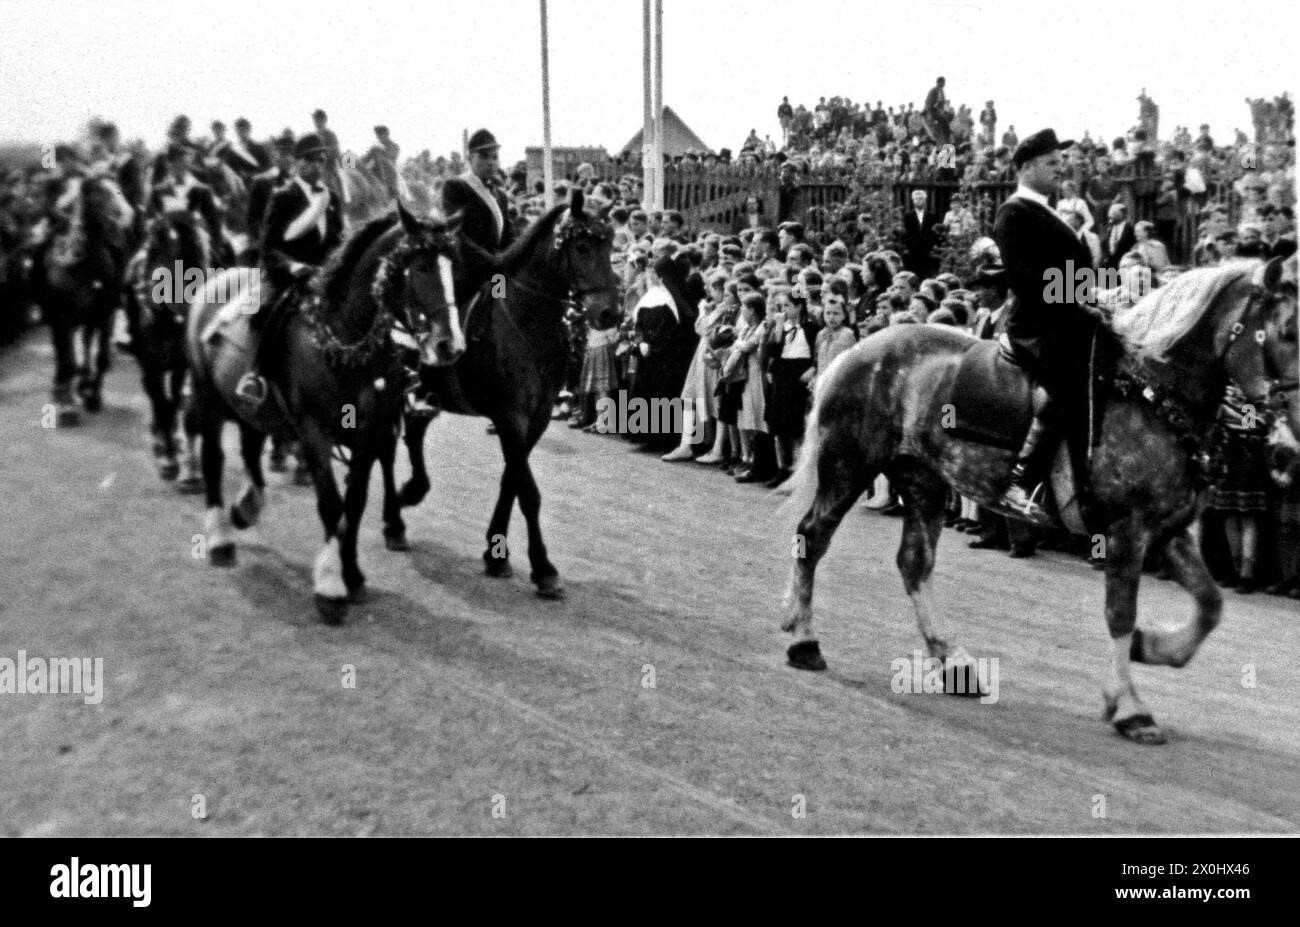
(994, 405)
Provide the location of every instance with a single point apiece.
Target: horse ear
(577, 202)
(409, 223)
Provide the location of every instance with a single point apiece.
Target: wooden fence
(728, 198)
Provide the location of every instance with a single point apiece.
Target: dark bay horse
(82, 287)
(881, 408)
(176, 257)
(514, 365)
(336, 380)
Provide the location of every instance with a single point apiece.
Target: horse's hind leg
(191, 478)
(252, 496)
(354, 507)
(164, 455)
(328, 581)
(1125, 548)
(839, 485)
(496, 558)
(925, 496)
(1176, 647)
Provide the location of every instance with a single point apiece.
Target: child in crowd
(834, 339)
(793, 342)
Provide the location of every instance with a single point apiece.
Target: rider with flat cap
(1049, 329)
(485, 228)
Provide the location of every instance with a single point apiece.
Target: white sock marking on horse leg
(449, 293)
(327, 573)
(216, 528)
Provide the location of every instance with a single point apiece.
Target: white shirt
(1034, 196)
(794, 342)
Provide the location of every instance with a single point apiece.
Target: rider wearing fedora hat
(1050, 336)
(304, 223)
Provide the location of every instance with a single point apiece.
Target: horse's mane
(1164, 318)
(337, 272)
(514, 257)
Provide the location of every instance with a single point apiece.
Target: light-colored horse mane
(1159, 322)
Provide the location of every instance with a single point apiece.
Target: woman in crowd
(1150, 249)
(698, 401)
(748, 354)
(1240, 494)
(792, 343)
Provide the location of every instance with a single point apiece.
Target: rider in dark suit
(484, 230)
(1050, 331)
(304, 223)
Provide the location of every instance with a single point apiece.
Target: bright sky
(432, 68)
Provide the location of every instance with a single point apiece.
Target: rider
(177, 191)
(261, 188)
(485, 228)
(303, 224)
(57, 189)
(1051, 338)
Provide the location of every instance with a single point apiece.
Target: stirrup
(252, 389)
(421, 407)
(1024, 504)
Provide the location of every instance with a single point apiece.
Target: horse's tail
(804, 482)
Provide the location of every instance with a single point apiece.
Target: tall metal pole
(648, 166)
(548, 164)
(659, 105)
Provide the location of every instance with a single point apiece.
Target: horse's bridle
(391, 277)
(1272, 398)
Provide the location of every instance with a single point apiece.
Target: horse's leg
(65, 363)
(925, 497)
(839, 484)
(354, 506)
(496, 558)
(217, 534)
(417, 486)
(1125, 547)
(394, 526)
(191, 479)
(252, 496)
(328, 583)
(1176, 647)
(151, 377)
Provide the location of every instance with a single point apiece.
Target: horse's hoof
(412, 493)
(92, 402)
(168, 470)
(67, 417)
(223, 555)
(190, 485)
(961, 678)
(1141, 729)
(357, 593)
(332, 611)
(806, 655)
(397, 542)
(238, 520)
(302, 477)
(498, 568)
(550, 587)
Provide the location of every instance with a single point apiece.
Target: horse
(176, 251)
(82, 279)
(336, 379)
(884, 406)
(514, 365)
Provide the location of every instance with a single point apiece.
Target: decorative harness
(1195, 438)
(388, 324)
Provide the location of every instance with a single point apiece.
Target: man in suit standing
(1118, 238)
(485, 227)
(919, 235)
(304, 223)
(1051, 337)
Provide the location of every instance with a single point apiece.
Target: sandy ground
(473, 697)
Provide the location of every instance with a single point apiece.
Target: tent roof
(678, 137)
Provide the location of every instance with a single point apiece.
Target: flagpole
(548, 165)
(648, 166)
(659, 105)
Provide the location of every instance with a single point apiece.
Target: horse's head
(582, 258)
(1263, 358)
(423, 266)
